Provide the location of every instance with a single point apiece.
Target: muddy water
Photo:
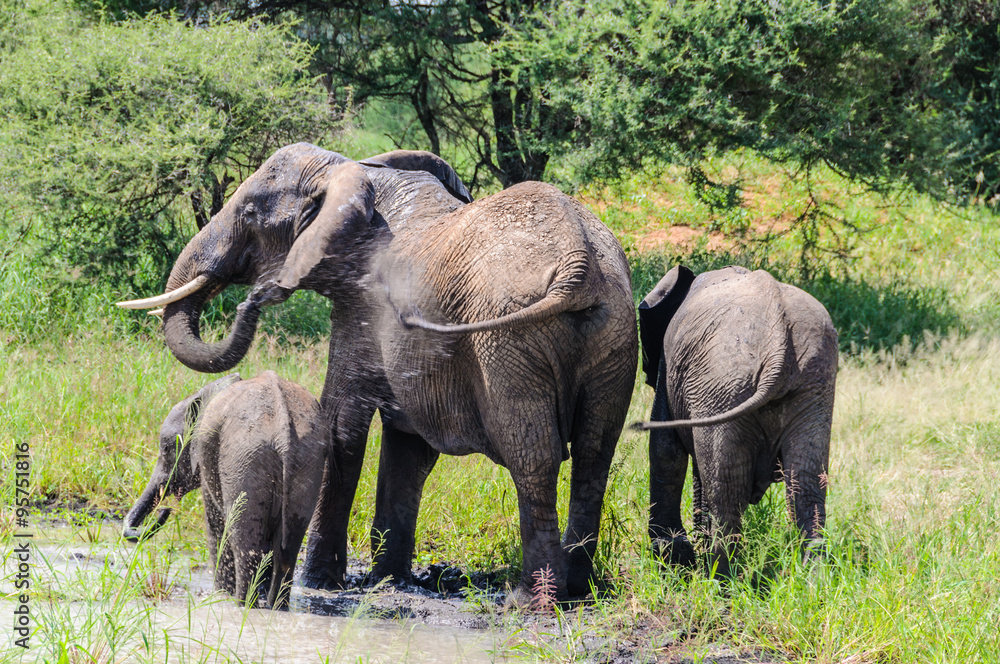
(381, 624)
(221, 630)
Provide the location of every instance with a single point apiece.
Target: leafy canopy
(797, 80)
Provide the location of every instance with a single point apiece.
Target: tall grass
(912, 570)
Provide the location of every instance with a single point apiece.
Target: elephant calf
(257, 448)
(744, 369)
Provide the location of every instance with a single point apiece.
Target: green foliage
(885, 93)
(966, 89)
(798, 80)
(120, 138)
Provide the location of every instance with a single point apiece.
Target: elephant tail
(769, 384)
(764, 393)
(567, 278)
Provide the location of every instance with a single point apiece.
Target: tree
(796, 80)
(966, 92)
(439, 58)
(120, 138)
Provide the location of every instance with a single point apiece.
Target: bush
(120, 139)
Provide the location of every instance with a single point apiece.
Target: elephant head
(302, 220)
(177, 470)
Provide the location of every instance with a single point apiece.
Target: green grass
(912, 568)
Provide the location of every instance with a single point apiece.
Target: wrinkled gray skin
(504, 327)
(259, 444)
(744, 368)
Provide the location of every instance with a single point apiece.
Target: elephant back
(729, 334)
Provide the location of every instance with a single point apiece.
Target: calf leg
(805, 457)
(219, 552)
(726, 468)
(667, 471)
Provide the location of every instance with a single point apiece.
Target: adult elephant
(504, 326)
(744, 369)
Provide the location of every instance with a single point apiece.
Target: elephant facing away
(504, 327)
(744, 369)
(257, 449)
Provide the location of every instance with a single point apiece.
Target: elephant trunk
(182, 331)
(149, 499)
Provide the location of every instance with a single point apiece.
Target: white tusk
(155, 312)
(192, 286)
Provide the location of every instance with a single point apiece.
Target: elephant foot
(321, 582)
(320, 577)
(675, 551)
(814, 548)
(377, 576)
(522, 598)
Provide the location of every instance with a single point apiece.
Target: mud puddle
(157, 599)
(169, 607)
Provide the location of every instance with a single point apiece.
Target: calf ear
(197, 401)
(655, 312)
(347, 206)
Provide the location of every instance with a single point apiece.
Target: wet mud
(440, 615)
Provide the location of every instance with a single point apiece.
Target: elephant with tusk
(504, 327)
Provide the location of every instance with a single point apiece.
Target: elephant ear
(655, 312)
(418, 160)
(345, 208)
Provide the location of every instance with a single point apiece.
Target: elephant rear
(745, 385)
(272, 443)
(527, 295)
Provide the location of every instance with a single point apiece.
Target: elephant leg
(250, 546)
(805, 459)
(667, 472)
(588, 483)
(727, 480)
(253, 573)
(283, 567)
(543, 561)
(225, 571)
(702, 515)
(404, 464)
(325, 565)
(668, 461)
(219, 552)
